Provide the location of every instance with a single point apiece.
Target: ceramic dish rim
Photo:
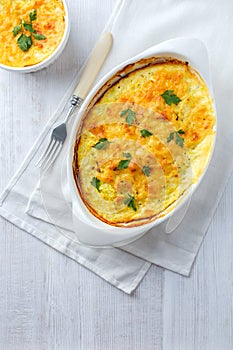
(151, 52)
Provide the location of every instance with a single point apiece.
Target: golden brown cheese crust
(50, 22)
(144, 142)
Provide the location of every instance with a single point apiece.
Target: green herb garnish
(24, 41)
(176, 135)
(39, 36)
(123, 164)
(33, 15)
(102, 143)
(130, 202)
(171, 136)
(146, 170)
(127, 155)
(169, 97)
(145, 133)
(17, 29)
(29, 27)
(179, 140)
(96, 183)
(129, 114)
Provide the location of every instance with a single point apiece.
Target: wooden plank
(49, 301)
(198, 310)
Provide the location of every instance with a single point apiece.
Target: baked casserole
(144, 140)
(30, 30)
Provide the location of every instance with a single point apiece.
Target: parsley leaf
(129, 114)
(17, 29)
(178, 139)
(29, 27)
(169, 97)
(101, 144)
(145, 133)
(124, 112)
(123, 164)
(96, 183)
(39, 36)
(146, 170)
(33, 15)
(171, 136)
(127, 155)
(130, 201)
(24, 42)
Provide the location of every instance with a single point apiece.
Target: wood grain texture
(198, 313)
(48, 301)
(198, 310)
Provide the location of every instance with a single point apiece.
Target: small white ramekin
(90, 230)
(45, 63)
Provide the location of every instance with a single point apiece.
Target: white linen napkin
(137, 25)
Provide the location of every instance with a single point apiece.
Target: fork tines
(50, 154)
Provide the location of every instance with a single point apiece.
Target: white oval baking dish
(96, 232)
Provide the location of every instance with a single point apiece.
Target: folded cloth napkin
(41, 206)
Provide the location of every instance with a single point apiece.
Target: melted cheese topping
(50, 22)
(159, 167)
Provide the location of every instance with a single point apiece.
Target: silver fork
(91, 69)
(58, 137)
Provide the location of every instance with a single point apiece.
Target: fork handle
(93, 65)
(74, 102)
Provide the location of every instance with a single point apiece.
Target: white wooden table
(48, 301)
